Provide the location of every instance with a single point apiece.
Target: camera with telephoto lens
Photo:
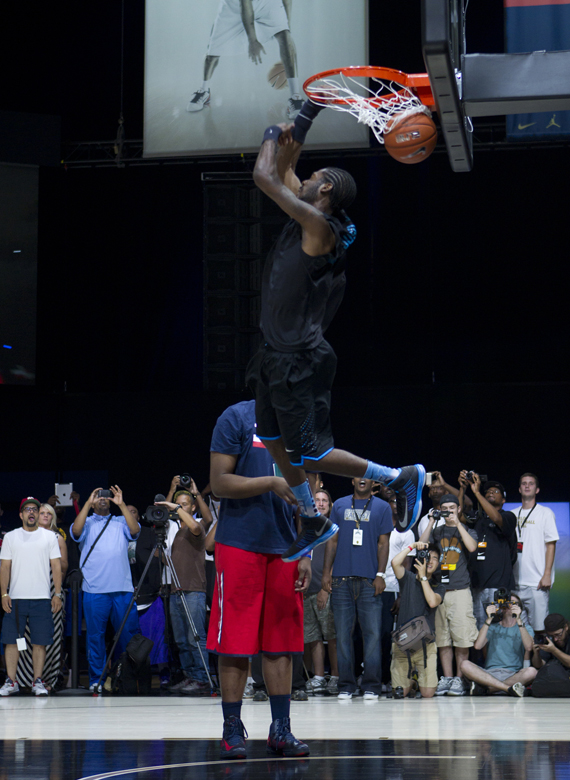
(437, 514)
(185, 480)
(502, 600)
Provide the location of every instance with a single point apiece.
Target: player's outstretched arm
(269, 176)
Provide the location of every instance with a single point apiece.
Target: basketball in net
(395, 105)
(410, 139)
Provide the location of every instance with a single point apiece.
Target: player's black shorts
(292, 399)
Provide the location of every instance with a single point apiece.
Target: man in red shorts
(258, 602)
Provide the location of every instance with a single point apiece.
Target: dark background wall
(451, 339)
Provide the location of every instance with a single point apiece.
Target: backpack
(552, 681)
(131, 674)
(411, 636)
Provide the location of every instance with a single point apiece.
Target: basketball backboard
(474, 85)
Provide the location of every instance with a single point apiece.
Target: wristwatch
(381, 574)
(423, 579)
(59, 595)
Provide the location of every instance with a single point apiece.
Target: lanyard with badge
(520, 528)
(447, 567)
(357, 532)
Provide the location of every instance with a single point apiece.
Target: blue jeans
(352, 600)
(190, 659)
(98, 608)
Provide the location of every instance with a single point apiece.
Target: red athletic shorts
(255, 607)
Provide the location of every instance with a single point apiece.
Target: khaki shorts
(399, 668)
(318, 624)
(454, 620)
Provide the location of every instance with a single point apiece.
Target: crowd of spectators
(458, 605)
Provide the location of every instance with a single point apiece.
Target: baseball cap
(488, 485)
(29, 500)
(449, 498)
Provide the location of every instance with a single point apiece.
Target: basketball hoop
(377, 97)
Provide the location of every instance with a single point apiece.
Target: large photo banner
(218, 72)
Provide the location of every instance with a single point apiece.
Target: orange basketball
(277, 76)
(412, 140)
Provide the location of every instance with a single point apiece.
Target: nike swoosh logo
(286, 450)
(524, 127)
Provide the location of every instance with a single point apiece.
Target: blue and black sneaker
(281, 742)
(233, 739)
(408, 487)
(314, 531)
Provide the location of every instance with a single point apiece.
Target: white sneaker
(370, 696)
(38, 688)
(344, 696)
(456, 688)
(294, 105)
(443, 686)
(94, 688)
(199, 99)
(248, 692)
(9, 687)
(317, 686)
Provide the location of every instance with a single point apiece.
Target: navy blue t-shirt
(265, 523)
(352, 560)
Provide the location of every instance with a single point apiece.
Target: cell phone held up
(104, 494)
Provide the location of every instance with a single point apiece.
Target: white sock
(206, 86)
(294, 86)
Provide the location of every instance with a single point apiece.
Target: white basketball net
(396, 100)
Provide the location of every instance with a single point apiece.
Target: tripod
(160, 545)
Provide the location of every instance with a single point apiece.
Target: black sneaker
(233, 739)
(260, 695)
(314, 531)
(281, 742)
(299, 694)
(398, 693)
(475, 689)
(408, 487)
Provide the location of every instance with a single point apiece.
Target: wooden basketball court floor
(166, 737)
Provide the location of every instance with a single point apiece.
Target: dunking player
(292, 374)
(245, 25)
(258, 602)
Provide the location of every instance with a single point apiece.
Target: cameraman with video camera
(419, 595)
(492, 566)
(508, 639)
(189, 561)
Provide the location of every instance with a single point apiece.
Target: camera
(104, 494)
(541, 640)
(423, 555)
(437, 514)
(482, 477)
(157, 516)
(185, 480)
(502, 600)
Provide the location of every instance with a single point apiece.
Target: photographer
(455, 627)
(551, 656)
(188, 559)
(508, 640)
(107, 584)
(418, 596)
(492, 565)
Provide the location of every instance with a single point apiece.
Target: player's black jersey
(300, 294)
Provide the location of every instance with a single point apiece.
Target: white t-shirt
(215, 510)
(538, 529)
(30, 553)
(398, 542)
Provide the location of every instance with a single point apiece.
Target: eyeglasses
(30, 509)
